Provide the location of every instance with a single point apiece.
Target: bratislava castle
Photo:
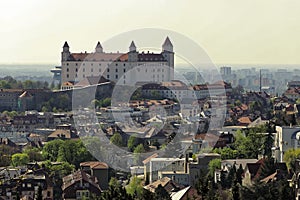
(121, 68)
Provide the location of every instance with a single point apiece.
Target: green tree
(213, 165)
(51, 149)
(290, 157)
(33, 153)
(19, 159)
(139, 149)
(116, 139)
(132, 142)
(115, 191)
(135, 187)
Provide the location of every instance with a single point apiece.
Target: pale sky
(230, 31)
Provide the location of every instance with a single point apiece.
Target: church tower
(66, 52)
(132, 54)
(99, 48)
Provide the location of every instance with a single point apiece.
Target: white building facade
(122, 68)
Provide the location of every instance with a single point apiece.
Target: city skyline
(237, 32)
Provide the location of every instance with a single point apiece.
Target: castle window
(83, 75)
(124, 64)
(67, 69)
(83, 69)
(116, 70)
(107, 76)
(107, 69)
(124, 69)
(67, 64)
(116, 64)
(117, 76)
(76, 64)
(92, 70)
(76, 70)
(67, 75)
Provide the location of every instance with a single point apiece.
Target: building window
(92, 70)
(107, 69)
(67, 69)
(107, 76)
(116, 64)
(83, 75)
(124, 70)
(67, 64)
(116, 70)
(117, 76)
(124, 65)
(100, 70)
(83, 64)
(76, 64)
(83, 69)
(76, 70)
(67, 75)
(92, 64)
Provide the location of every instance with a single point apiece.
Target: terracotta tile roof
(168, 184)
(244, 120)
(94, 165)
(149, 158)
(60, 133)
(79, 175)
(97, 57)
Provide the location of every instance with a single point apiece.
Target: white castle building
(121, 68)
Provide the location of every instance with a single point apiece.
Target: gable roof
(79, 175)
(94, 165)
(168, 184)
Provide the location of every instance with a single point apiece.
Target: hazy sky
(231, 31)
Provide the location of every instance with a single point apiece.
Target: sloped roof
(149, 158)
(60, 133)
(167, 42)
(168, 184)
(94, 165)
(79, 175)
(178, 195)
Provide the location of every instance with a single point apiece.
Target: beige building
(122, 68)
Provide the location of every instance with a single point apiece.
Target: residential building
(286, 137)
(79, 185)
(100, 170)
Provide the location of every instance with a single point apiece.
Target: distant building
(225, 71)
(127, 68)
